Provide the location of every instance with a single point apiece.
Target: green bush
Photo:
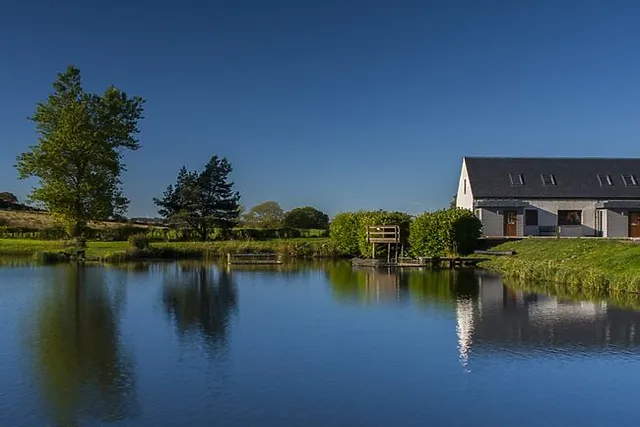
(139, 241)
(348, 230)
(264, 233)
(343, 233)
(444, 233)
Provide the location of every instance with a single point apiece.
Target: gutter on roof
(500, 203)
(618, 204)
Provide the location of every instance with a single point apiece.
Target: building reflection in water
(493, 317)
(527, 317)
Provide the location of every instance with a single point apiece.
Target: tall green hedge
(343, 233)
(444, 232)
(348, 230)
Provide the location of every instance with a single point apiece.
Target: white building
(549, 196)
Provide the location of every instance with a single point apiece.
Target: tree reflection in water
(200, 300)
(79, 363)
(420, 286)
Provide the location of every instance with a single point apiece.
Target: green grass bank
(577, 264)
(52, 251)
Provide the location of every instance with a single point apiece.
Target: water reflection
(419, 286)
(491, 316)
(503, 316)
(80, 365)
(200, 299)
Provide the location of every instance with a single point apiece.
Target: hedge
(348, 230)
(444, 232)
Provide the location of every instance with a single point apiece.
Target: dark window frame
(632, 180)
(605, 180)
(569, 217)
(529, 220)
(516, 182)
(551, 181)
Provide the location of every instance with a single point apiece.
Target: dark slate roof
(575, 177)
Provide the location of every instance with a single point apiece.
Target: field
(596, 264)
(40, 220)
(122, 251)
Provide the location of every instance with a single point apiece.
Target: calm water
(196, 345)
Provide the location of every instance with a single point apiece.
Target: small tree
(306, 218)
(78, 158)
(265, 215)
(202, 201)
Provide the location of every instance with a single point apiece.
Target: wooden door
(634, 224)
(510, 223)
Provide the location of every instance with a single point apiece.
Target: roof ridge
(550, 158)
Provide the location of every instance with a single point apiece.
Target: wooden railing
(383, 234)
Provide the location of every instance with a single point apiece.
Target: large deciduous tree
(265, 215)
(307, 218)
(78, 157)
(203, 200)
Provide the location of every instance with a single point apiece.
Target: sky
(337, 104)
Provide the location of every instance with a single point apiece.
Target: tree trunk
(204, 233)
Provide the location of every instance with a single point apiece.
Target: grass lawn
(578, 263)
(302, 247)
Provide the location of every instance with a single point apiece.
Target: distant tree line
(78, 162)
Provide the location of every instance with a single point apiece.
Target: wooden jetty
(254, 259)
(389, 236)
(432, 262)
(497, 253)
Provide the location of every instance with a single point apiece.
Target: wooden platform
(450, 262)
(254, 259)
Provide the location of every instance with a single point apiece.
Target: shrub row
(141, 249)
(123, 233)
(444, 233)
(440, 233)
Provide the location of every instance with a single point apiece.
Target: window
(569, 217)
(605, 180)
(464, 188)
(516, 179)
(530, 217)
(548, 179)
(630, 180)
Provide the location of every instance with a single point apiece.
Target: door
(634, 224)
(599, 223)
(510, 223)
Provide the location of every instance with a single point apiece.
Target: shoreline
(574, 264)
(114, 252)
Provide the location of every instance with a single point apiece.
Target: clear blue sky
(305, 98)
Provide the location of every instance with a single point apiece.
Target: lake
(191, 344)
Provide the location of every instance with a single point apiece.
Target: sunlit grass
(577, 263)
(122, 251)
